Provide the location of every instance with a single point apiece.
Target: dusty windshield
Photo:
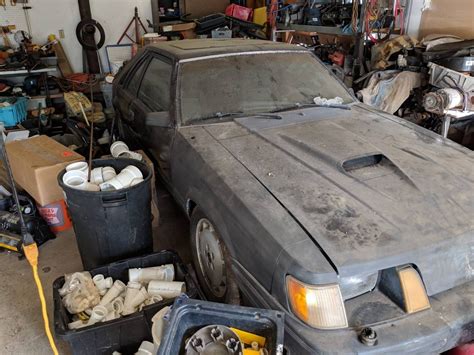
(254, 83)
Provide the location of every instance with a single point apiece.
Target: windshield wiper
(217, 115)
(298, 106)
(267, 115)
(221, 115)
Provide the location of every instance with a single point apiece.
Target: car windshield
(217, 88)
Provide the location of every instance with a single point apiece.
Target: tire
(212, 260)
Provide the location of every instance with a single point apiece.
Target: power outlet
(61, 34)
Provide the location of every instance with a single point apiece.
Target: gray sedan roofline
(224, 55)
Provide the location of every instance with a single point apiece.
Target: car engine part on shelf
(444, 100)
(214, 339)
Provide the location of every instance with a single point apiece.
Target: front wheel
(212, 260)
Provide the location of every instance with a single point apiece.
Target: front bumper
(449, 322)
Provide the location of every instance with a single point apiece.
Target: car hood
(371, 190)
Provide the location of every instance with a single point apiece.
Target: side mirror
(158, 119)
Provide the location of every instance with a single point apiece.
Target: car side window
(134, 82)
(154, 90)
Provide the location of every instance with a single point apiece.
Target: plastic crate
(15, 113)
(126, 333)
(188, 316)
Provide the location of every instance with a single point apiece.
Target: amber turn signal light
(319, 306)
(414, 294)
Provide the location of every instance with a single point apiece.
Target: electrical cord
(32, 254)
(30, 248)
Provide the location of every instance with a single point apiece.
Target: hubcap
(211, 257)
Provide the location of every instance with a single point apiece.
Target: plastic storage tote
(111, 225)
(126, 333)
(188, 316)
(15, 113)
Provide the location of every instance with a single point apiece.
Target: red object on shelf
(337, 58)
(240, 12)
(466, 349)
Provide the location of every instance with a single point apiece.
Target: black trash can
(111, 225)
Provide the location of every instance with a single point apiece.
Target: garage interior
(190, 223)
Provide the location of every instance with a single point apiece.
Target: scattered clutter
(128, 296)
(98, 299)
(88, 110)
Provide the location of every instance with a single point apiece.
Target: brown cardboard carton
(36, 163)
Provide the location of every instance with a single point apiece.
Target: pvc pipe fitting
(145, 275)
(80, 166)
(98, 314)
(139, 298)
(76, 325)
(153, 300)
(117, 288)
(102, 174)
(111, 316)
(132, 290)
(122, 180)
(136, 181)
(166, 289)
(146, 348)
(118, 305)
(102, 283)
(120, 150)
(77, 179)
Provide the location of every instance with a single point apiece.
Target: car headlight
(318, 306)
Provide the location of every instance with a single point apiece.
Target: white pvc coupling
(76, 324)
(77, 179)
(102, 174)
(102, 283)
(120, 150)
(129, 176)
(79, 166)
(99, 313)
(166, 289)
(145, 275)
(138, 299)
(117, 288)
(146, 348)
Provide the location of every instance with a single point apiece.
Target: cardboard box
(36, 163)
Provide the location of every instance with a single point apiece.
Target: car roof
(195, 48)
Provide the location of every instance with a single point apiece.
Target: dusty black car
(356, 223)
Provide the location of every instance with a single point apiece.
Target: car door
(151, 111)
(126, 90)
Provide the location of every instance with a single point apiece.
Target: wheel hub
(211, 257)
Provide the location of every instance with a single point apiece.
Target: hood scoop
(366, 161)
(378, 172)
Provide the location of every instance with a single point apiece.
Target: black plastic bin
(126, 333)
(111, 225)
(188, 316)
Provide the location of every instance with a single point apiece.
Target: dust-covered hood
(371, 190)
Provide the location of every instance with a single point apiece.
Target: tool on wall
(85, 32)
(137, 23)
(30, 249)
(91, 62)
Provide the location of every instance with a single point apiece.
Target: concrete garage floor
(21, 324)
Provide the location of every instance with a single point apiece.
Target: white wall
(50, 16)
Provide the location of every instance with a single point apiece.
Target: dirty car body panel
(325, 195)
